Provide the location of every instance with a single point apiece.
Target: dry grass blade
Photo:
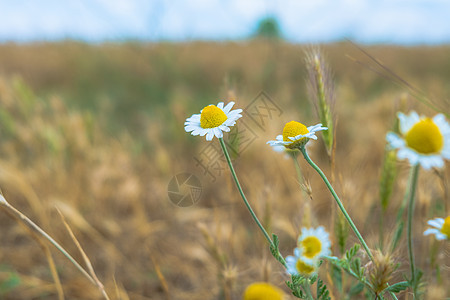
(53, 270)
(121, 294)
(44, 247)
(161, 277)
(17, 215)
(85, 257)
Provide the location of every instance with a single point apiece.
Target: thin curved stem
(399, 220)
(341, 206)
(247, 204)
(338, 201)
(412, 194)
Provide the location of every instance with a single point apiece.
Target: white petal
(445, 152)
(227, 108)
(199, 131)
(320, 129)
(190, 128)
(314, 127)
(235, 114)
(406, 122)
(440, 236)
(218, 133)
(203, 131)
(438, 222)
(321, 230)
(194, 118)
(429, 161)
(279, 137)
(232, 117)
(411, 155)
(278, 148)
(275, 143)
(229, 123)
(440, 122)
(210, 135)
(291, 259)
(220, 105)
(224, 128)
(235, 111)
(394, 140)
(431, 231)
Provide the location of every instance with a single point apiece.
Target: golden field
(97, 131)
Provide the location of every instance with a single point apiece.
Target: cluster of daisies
(312, 245)
(422, 141)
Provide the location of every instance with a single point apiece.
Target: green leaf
(341, 263)
(388, 174)
(276, 240)
(341, 229)
(352, 251)
(356, 289)
(397, 235)
(322, 291)
(336, 274)
(274, 249)
(355, 265)
(398, 287)
(295, 287)
(417, 285)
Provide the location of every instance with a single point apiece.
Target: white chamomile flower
(441, 228)
(296, 265)
(424, 141)
(213, 120)
(314, 243)
(296, 135)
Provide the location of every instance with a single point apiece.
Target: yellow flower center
(292, 129)
(304, 268)
(212, 117)
(425, 137)
(446, 227)
(311, 246)
(262, 291)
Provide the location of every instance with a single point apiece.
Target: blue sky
(304, 21)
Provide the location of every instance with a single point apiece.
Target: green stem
(233, 173)
(400, 213)
(412, 193)
(338, 201)
(341, 206)
(307, 289)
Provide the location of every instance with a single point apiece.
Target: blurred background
(93, 100)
